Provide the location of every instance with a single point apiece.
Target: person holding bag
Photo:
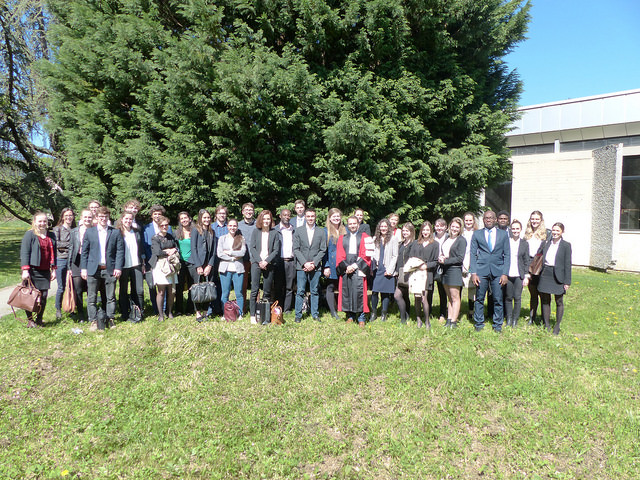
(38, 262)
(165, 275)
(401, 294)
(202, 259)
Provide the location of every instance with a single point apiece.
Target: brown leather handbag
(69, 297)
(25, 296)
(276, 314)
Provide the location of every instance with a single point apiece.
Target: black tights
(330, 296)
(401, 296)
(422, 309)
(546, 311)
(533, 291)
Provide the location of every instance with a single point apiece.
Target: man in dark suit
(286, 267)
(489, 266)
(101, 264)
(309, 247)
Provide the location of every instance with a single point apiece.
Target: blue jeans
(478, 310)
(228, 278)
(313, 278)
(61, 275)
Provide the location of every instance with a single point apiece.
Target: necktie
(490, 242)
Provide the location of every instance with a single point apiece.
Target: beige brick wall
(560, 186)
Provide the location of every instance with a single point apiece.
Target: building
(578, 162)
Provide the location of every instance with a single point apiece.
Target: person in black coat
(101, 264)
(518, 276)
(203, 256)
(264, 250)
(555, 277)
(38, 261)
(426, 249)
(401, 295)
(451, 258)
(133, 269)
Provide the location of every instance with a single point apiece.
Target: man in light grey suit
(309, 247)
(490, 260)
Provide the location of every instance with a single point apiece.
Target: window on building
(630, 194)
(499, 197)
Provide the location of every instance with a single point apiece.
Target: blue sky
(578, 48)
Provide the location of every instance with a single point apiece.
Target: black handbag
(204, 292)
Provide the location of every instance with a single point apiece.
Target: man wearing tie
(490, 260)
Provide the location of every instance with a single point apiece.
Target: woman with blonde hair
(451, 259)
(335, 228)
(38, 261)
(536, 235)
(470, 226)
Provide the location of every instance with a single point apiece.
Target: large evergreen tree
(390, 105)
(30, 163)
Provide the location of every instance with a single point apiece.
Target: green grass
(11, 233)
(218, 400)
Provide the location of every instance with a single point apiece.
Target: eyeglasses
(165, 225)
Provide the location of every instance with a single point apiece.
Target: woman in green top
(183, 236)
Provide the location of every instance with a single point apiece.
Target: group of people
(293, 256)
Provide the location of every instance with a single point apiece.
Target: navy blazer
(273, 249)
(201, 256)
(490, 263)
(114, 254)
(309, 253)
(562, 266)
(149, 232)
(30, 249)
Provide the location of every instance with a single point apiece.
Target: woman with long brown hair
(401, 294)
(62, 232)
(231, 249)
(203, 255)
(335, 228)
(426, 249)
(185, 280)
(38, 261)
(264, 251)
(385, 257)
(133, 270)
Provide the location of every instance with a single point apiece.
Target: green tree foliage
(389, 105)
(30, 172)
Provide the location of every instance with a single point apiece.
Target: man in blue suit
(101, 264)
(490, 260)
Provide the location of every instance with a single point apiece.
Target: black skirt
(548, 283)
(41, 279)
(452, 275)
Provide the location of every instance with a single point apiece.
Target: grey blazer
(225, 243)
(309, 253)
(390, 255)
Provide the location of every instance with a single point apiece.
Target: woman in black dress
(555, 277)
(451, 259)
(401, 295)
(426, 249)
(38, 261)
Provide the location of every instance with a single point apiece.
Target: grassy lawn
(217, 400)
(11, 233)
